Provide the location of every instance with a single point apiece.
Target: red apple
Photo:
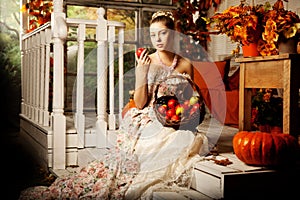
(170, 112)
(139, 51)
(175, 118)
(162, 109)
(194, 110)
(172, 103)
(186, 104)
(167, 117)
(196, 106)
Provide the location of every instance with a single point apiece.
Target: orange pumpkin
(265, 149)
(128, 106)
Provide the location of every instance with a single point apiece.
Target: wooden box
(240, 181)
(278, 71)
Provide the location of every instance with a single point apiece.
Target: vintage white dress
(147, 157)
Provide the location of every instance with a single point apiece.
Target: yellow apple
(179, 110)
(193, 100)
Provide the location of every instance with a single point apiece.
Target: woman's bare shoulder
(184, 64)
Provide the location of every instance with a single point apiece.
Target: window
(136, 14)
(162, 2)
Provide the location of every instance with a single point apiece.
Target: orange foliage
(39, 12)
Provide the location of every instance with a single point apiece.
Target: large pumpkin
(265, 149)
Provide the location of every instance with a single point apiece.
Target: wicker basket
(181, 89)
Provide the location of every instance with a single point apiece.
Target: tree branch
(16, 18)
(10, 29)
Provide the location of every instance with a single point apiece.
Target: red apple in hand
(139, 51)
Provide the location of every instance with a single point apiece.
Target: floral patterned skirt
(147, 157)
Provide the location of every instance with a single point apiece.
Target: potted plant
(241, 23)
(281, 26)
(191, 19)
(267, 111)
(265, 26)
(39, 12)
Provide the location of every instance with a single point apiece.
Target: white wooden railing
(36, 67)
(36, 74)
(106, 39)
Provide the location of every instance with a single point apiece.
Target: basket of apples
(178, 103)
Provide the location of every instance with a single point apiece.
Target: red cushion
(211, 78)
(232, 109)
(210, 74)
(234, 80)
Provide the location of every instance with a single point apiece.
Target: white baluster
(38, 78)
(22, 74)
(112, 117)
(34, 75)
(101, 37)
(42, 77)
(47, 77)
(25, 78)
(121, 72)
(79, 116)
(28, 76)
(30, 70)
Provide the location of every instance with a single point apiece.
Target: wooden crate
(240, 181)
(278, 71)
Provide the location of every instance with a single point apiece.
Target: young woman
(148, 156)
(164, 60)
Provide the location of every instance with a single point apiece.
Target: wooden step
(183, 195)
(239, 181)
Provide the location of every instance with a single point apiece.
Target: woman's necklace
(172, 66)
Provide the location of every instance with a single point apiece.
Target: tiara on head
(163, 13)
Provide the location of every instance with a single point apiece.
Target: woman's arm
(141, 80)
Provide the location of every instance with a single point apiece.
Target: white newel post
(59, 34)
(101, 37)
(112, 117)
(79, 116)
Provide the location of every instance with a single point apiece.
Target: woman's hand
(141, 81)
(143, 59)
